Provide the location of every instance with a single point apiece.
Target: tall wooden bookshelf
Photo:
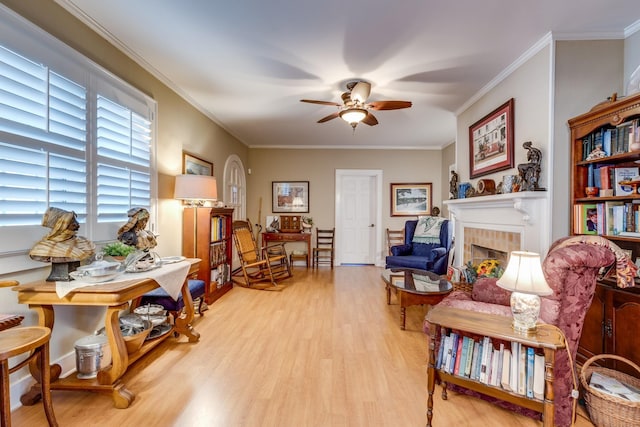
(207, 234)
(611, 321)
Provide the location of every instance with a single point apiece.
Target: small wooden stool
(18, 340)
(299, 255)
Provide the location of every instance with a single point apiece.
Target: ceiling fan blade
(329, 117)
(360, 92)
(370, 120)
(389, 105)
(313, 101)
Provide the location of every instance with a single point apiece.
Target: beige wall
(580, 83)
(529, 86)
(180, 127)
(319, 166)
(631, 57)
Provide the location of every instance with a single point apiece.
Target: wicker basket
(463, 286)
(606, 410)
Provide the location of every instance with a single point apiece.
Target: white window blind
(71, 136)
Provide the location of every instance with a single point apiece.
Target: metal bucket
(92, 354)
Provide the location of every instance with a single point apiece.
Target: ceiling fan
(355, 108)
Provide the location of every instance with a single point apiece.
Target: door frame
(377, 175)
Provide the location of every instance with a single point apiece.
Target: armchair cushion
(485, 289)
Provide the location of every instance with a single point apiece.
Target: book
(624, 174)
(456, 367)
(506, 370)
(530, 366)
(494, 375)
(487, 350)
(538, 376)
(463, 356)
(609, 220)
(515, 360)
(440, 351)
(454, 349)
(614, 387)
(447, 354)
(467, 368)
(477, 358)
(522, 371)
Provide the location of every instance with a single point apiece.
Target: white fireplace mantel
(525, 213)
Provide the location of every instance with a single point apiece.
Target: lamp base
(525, 309)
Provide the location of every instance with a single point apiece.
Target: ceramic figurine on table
(61, 246)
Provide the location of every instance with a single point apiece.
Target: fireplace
(502, 223)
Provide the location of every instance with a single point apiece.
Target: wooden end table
(414, 287)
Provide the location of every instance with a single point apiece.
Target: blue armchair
(422, 256)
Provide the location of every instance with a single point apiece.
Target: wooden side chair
(394, 237)
(15, 341)
(259, 264)
(324, 251)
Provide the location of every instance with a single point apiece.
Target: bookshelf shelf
(613, 314)
(546, 340)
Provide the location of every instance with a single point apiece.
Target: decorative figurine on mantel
(61, 247)
(133, 232)
(453, 185)
(530, 172)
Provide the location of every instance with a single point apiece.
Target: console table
(289, 237)
(115, 297)
(546, 337)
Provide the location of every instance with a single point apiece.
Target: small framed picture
(290, 196)
(411, 199)
(192, 165)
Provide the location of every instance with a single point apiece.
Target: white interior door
(358, 216)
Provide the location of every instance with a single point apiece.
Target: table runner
(170, 277)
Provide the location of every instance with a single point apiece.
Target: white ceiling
(247, 63)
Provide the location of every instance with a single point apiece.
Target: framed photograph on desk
(290, 196)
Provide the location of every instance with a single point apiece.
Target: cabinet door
(626, 312)
(592, 338)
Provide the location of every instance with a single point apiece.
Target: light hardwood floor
(326, 351)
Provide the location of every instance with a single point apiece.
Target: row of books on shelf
(513, 367)
(218, 252)
(611, 140)
(218, 228)
(615, 179)
(611, 218)
(221, 275)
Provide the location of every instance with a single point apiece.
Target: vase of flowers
(487, 268)
(307, 224)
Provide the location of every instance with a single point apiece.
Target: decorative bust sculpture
(133, 233)
(453, 185)
(61, 244)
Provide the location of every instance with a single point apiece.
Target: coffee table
(414, 287)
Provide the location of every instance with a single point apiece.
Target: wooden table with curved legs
(41, 297)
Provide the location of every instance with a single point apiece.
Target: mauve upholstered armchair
(571, 268)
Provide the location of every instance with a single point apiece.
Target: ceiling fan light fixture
(353, 115)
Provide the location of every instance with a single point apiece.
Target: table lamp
(525, 279)
(196, 189)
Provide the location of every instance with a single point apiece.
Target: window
(71, 136)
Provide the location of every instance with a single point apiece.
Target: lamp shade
(353, 115)
(524, 274)
(196, 187)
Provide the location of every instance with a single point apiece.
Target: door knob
(372, 225)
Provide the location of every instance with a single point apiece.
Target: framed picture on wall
(192, 165)
(290, 196)
(491, 141)
(410, 199)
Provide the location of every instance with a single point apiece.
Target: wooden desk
(546, 337)
(41, 297)
(289, 237)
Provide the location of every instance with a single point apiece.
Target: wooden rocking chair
(259, 264)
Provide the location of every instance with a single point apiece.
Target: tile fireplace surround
(505, 222)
